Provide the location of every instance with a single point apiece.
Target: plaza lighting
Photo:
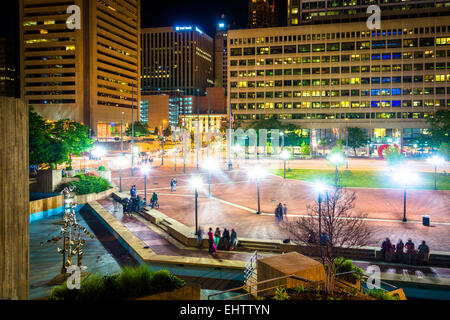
(436, 161)
(210, 165)
(98, 152)
(145, 170)
(258, 173)
(336, 159)
(285, 155)
(121, 162)
(321, 189)
(405, 177)
(195, 183)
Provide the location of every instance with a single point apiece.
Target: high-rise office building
(90, 74)
(335, 11)
(326, 78)
(176, 58)
(8, 76)
(261, 14)
(220, 55)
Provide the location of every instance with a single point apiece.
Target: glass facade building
(330, 77)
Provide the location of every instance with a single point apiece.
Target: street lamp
(98, 152)
(121, 161)
(211, 165)
(405, 177)
(258, 173)
(145, 170)
(195, 183)
(285, 155)
(336, 159)
(436, 161)
(320, 188)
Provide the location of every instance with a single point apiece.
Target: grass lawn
(364, 179)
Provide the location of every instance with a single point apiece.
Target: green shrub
(344, 265)
(281, 294)
(88, 184)
(69, 168)
(381, 295)
(130, 283)
(101, 168)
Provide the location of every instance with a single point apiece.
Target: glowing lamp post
(258, 173)
(145, 170)
(405, 177)
(285, 155)
(436, 161)
(336, 159)
(320, 189)
(98, 152)
(196, 182)
(121, 161)
(211, 165)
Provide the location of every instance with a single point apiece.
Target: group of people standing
(405, 252)
(280, 213)
(145, 159)
(218, 240)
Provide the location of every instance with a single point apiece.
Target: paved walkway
(236, 201)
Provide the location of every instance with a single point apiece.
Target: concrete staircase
(258, 245)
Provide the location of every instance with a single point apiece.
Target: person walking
(284, 215)
(217, 237)
(200, 237)
(233, 239)
(174, 184)
(399, 256)
(409, 251)
(211, 241)
(278, 213)
(154, 200)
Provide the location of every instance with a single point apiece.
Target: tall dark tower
(261, 14)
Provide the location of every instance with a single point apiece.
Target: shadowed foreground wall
(14, 199)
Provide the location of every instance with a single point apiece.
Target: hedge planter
(104, 174)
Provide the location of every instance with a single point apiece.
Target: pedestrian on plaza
(284, 211)
(233, 240)
(324, 239)
(409, 251)
(200, 237)
(217, 237)
(399, 255)
(171, 185)
(312, 237)
(211, 241)
(424, 254)
(174, 184)
(278, 213)
(226, 239)
(154, 200)
(385, 247)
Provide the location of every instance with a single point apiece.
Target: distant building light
(198, 30)
(221, 25)
(183, 28)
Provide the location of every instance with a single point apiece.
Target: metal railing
(250, 266)
(292, 276)
(361, 276)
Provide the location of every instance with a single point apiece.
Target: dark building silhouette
(262, 14)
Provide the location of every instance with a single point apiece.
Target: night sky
(202, 13)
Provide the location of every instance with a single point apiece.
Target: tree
(167, 131)
(74, 135)
(439, 132)
(356, 138)
(141, 129)
(339, 222)
(45, 148)
(324, 142)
